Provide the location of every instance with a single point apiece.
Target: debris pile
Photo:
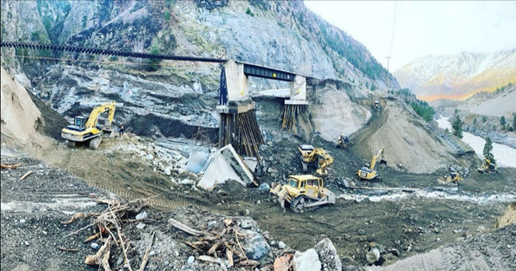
(107, 229)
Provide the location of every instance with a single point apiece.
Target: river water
(505, 156)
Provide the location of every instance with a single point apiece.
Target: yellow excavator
(87, 129)
(453, 178)
(369, 172)
(315, 157)
(487, 166)
(303, 192)
(343, 141)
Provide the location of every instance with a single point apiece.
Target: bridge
(238, 124)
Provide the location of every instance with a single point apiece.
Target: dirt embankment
(508, 218)
(20, 117)
(410, 143)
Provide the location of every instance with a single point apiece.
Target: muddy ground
(33, 208)
(410, 226)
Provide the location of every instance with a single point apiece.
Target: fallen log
(146, 256)
(249, 263)
(101, 257)
(68, 249)
(26, 174)
(184, 228)
(10, 166)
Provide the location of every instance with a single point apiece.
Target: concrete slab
(225, 164)
(196, 161)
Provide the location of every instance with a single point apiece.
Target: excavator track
(157, 202)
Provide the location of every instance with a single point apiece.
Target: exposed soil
(33, 208)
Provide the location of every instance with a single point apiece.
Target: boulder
(306, 261)
(255, 246)
(328, 255)
(373, 256)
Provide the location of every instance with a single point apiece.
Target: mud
(410, 225)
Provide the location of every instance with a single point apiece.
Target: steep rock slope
(458, 76)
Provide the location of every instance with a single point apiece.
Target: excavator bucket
(383, 161)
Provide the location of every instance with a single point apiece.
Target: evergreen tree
(488, 150)
(502, 120)
(514, 122)
(457, 127)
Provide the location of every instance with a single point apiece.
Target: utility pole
(388, 57)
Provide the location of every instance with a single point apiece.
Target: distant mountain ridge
(458, 76)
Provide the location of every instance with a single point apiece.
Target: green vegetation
(475, 121)
(358, 56)
(513, 122)
(484, 119)
(154, 62)
(84, 20)
(248, 11)
(166, 15)
(422, 108)
(457, 127)
(502, 120)
(502, 88)
(488, 150)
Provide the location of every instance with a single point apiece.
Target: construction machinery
(368, 172)
(343, 141)
(376, 105)
(87, 129)
(453, 178)
(317, 158)
(303, 192)
(487, 166)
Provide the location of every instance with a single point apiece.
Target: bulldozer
(343, 141)
(453, 178)
(87, 129)
(368, 172)
(315, 157)
(487, 166)
(303, 192)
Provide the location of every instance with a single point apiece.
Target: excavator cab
(80, 121)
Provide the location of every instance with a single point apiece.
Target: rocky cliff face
(280, 34)
(178, 98)
(458, 76)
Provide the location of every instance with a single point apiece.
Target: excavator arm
(377, 157)
(95, 113)
(324, 161)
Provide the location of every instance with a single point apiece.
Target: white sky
(423, 27)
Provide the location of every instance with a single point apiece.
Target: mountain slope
(279, 34)
(458, 76)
